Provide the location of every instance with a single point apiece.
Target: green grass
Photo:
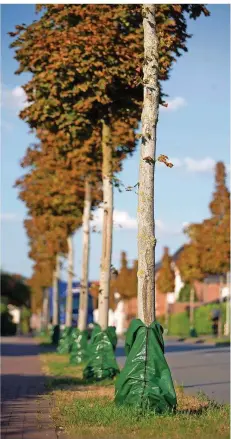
(88, 411)
(93, 415)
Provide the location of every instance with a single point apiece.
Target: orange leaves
(164, 159)
(212, 237)
(166, 278)
(189, 263)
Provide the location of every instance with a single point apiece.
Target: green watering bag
(145, 381)
(102, 363)
(79, 347)
(65, 341)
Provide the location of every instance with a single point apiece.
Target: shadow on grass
(66, 381)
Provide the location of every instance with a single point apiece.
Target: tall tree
(85, 68)
(166, 278)
(212, 236)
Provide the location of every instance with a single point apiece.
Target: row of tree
(84, 100)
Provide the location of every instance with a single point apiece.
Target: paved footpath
(24, 409)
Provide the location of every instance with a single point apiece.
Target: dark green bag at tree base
(145, 381)
(79, 348)
(111, 332)
(65, 341)
(102, 363)
(55, 335)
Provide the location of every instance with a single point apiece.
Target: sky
(193, 132)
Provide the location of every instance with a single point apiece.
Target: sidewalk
(24, 409)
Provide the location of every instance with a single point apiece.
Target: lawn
(88, 411)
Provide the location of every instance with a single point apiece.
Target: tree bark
(83, 304)
(56, 276)
(69, 302)
(45, 309)
(146, 224)
(191, 309)
(105, 268)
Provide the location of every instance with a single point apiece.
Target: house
(209, 290)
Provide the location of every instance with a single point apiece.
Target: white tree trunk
(56, 276)
(83, 304)
(45, 312)
(105, 268)
(146, 225)
(69, 299)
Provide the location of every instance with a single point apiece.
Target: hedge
(179, 323)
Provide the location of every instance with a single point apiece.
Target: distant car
(62, 299)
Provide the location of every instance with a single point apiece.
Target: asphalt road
(197, 367)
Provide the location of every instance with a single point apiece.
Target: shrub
(7, 326)
(203, 324)
(179, 323)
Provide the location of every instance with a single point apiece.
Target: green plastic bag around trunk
(65, 341)
(55, 335)
(102, 363)
(111, 332)
(145, 381)
(79, 348)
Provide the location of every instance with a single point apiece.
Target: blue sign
(62, 302)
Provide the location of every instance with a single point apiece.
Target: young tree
(48, 192)
(166, 278)
(146, 229)
(83, 305)
(189, 264)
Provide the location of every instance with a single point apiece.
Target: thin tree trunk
(146, 224)
(83, 305)
(105, 269)
(191, 317)
(69, 300)
(56, 276)
(45, 309)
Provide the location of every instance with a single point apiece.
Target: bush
(203, 324)
(179, 324)
(7, 326)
